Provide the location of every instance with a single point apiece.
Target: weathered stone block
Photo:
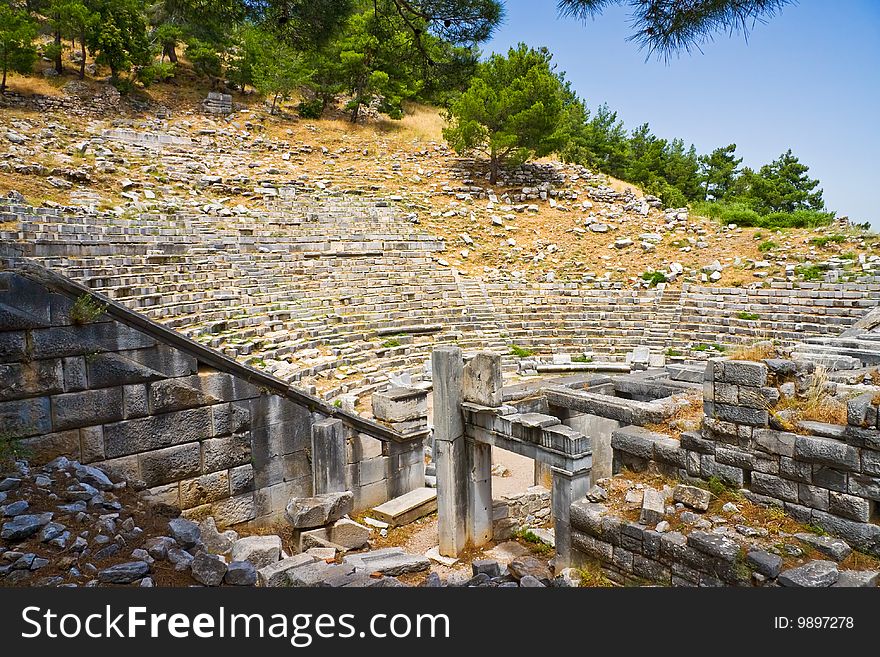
(31, 379)
(860, 535)
(775, 442)
(864, 486)
(91, 444)
(813, 497)
(228, 452)
(829, 478)
(241, 480)
(774, 486)
(135, 401)
(849, 506)
(744, 373)
(163, 466)
(320, 510)
(46, 447)
(261, 551)
(715, 545)
(482, 380)
(12, 346)
(230, 418)
(812, 574)
(110, 369)
(25, 417)
(695, 498)
(741, 415)
(795, 470)
(74, 373)
(737, 458)
(365, 447)
(87, 408)
(276, 574)
(767, 564)
(156, 431)
(400, 404)
(89, 338)
(827, 451)
(205, 489)
(373, 470)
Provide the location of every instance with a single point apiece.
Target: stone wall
(512, 512)
(202, 432)
(825, 474)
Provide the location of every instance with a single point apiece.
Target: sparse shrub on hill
(17, 34)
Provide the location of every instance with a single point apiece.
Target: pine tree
(17, 34)
(784, 186)
(511, 110)
(719, 171)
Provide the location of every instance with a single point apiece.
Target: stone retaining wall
(512, 512)
(827, 475)
(201, 431)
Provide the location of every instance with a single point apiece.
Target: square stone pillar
(450, 451)
(328, 456)
(480, 493)
(568, 487)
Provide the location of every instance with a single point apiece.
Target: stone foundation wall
(824, 474)
(528, 509)
(202, 432)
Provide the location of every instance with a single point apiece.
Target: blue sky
(809, 79)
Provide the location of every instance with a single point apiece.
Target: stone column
(450, 450)
(482, 384)
(568, 487)
(543, 475)
(328, 456)
(480, 493)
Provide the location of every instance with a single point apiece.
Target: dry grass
(420, 122)
(815, 405)
(755, 352)
(686, 418)
(592, 575)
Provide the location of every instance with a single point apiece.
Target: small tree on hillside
(719, 170)
(784, 186)
(278, 71)
(511, 110)
(17, 34)
(75, 20)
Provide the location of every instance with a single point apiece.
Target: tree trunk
(170, 50)
(3, 81)
(59, 65)
(82, 63)
(274, 100)
(493, 168)
(355, 111)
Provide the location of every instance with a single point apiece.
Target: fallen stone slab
(124, 573)
(277, 573)
(240, 573)
(388, 561)
(858, 579)
(692, 496)
(720, 547)
(344, 534)
(24, 526)
(208, 569)
(407, 508)
(834, 548)
(185, 532)
(523, 566)
(653, 507)
(816, 574)
(765, 563)
(323, 553)
(434, 555)
(318, 573)
(320, 510)
(261, 551)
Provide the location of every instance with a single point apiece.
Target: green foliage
(11, 450)
(580, 358)
(654, 277)
(118, 35)
(742, 214)
(719, 170)
(75, 19)
(278, 70)
(204, 58)
(744, 314)
(673, 352)
(810, 272)
(511, 110)
(310, 109)
(156, 72)
(521, 352)
(392, 342)
(17, 33)
(709, 347)
(535, 544)
(768, 245)
(828, 239)
(781, 186)
(337, 403)
(86, 309)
